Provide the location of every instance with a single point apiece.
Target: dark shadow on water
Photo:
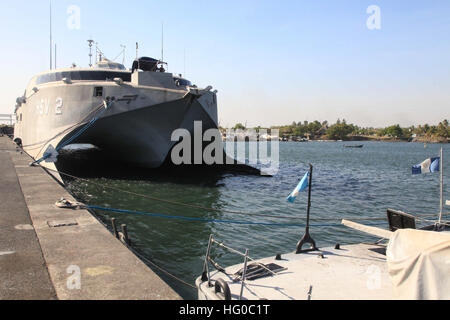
(93, 163)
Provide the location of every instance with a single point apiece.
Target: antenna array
(91, 43)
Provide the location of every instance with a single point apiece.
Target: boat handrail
(206, 276)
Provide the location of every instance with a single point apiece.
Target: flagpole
(307, 237)
(442, 186)
(308, 212)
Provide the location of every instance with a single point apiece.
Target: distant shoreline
(381, 139)
(9, 130)
(341, 130)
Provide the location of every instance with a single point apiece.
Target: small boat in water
(355, 147)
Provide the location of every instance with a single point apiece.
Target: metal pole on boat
(442, 186)
(244, 274)
(206, 274)
(308, 213)
(307, 237)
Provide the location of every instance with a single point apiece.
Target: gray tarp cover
(419, 264)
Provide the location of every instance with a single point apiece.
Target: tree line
(341, 130)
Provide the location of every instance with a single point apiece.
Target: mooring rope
(206, 208)
(75, 136)
(224, 210)
(142, 257)
(161, 269)
(43, 143)
(87, 126)
(216, 220)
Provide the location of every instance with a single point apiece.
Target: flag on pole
(428, 166)
(301, 187)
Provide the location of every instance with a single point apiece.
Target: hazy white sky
(272, 62)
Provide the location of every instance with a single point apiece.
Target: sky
(272, 62)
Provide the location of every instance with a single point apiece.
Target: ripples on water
(347, 183)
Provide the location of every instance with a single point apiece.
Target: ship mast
(51, 40)
(162, 41)
(124, 47)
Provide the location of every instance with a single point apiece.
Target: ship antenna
(137, 50)
(96, 52)
(51, 40)
(91, 42)
(55, 55)
(162, 41)
(124, 53)
(100, 54)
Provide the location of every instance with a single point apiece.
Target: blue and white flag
(428, 166)
(301, 187)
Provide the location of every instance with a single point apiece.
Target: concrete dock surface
(51, 253)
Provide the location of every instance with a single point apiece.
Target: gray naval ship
(129, 114)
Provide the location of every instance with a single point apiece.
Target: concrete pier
(51, 253)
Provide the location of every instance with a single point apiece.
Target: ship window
(98, 92)
(182, 82)
(83, 76)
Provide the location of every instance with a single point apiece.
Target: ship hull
(143, 137)
(136, 128)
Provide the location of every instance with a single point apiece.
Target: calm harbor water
(348, 183)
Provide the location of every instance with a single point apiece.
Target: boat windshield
(182, 82)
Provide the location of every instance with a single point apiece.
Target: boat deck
(355, 272)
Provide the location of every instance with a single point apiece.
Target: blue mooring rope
(217, 220)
